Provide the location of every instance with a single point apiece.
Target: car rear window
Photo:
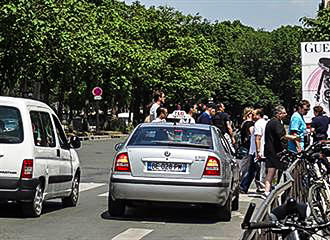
(11, 130)
(172, 136)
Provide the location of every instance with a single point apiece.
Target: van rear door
(11, 136)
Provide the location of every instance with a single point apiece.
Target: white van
(36, 160)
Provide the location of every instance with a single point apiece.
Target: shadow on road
(191, 215)
(14, 210)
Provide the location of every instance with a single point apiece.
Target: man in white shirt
(256, 154)
(159, 99)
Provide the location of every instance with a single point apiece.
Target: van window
(60, 133)
(48, 128)
(11, 127)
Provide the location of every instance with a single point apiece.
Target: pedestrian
(320, 124)
(256, 154)
(247, 127)
(159, 100)
(275, 142)
(161, 115)
(206, 116)
(222, 120)
(188, 118)
(297, 127)
(246, 130)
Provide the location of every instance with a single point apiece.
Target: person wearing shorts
(275, 142)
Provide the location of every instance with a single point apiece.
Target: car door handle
(58, 152)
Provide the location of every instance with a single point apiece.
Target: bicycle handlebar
(261, 225)
(279, 225)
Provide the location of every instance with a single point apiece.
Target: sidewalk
(103, 135)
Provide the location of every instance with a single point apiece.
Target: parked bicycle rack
(291, 185)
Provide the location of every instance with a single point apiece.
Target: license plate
(166, 167)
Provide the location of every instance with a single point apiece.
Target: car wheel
(72, 200)
(224, 212)
(34, 208)
(235, 203)
(116, 208)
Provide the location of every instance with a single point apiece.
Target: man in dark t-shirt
(320, 124)
(222, 120)
(274, 136)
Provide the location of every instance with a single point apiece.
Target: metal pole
(97, 116)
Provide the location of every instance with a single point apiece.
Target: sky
(259, 14)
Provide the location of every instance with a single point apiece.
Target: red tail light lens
(212, 167)
(122, 163)
(27, 168)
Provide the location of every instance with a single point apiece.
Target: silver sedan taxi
(174, 163)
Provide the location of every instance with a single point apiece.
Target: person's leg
(260, 176)
(248, 178)
(269, 178)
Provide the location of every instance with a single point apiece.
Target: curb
(101, 137)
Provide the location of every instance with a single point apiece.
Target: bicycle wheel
(319, 203)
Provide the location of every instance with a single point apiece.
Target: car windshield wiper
(183, 144)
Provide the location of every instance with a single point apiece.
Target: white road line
(133, 234)
(88, 186)
(106, 194)
(237, 214)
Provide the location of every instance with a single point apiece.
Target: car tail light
(27, 168)
(212, 167)
(122, 163)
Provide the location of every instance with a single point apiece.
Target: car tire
(34, 208)
(72, 200)
(224, 212)
(235, 203)
(116, 208)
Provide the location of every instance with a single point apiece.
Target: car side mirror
(118, 146)
(75, 142)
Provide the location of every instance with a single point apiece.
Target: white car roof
(17, 101)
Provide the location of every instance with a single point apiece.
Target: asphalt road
(90, 220)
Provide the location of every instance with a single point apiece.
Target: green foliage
(60, 50)
(318, 28)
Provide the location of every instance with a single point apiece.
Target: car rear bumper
(17, 189)
(212, 191)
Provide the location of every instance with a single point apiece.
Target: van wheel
(34, 208)
(224, 212)
(116, 208)
(72, 200)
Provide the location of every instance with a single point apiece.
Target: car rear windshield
(11, 130)
(172, 136)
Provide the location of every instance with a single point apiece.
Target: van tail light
(122, 163)
(27, 168)
(212, 167)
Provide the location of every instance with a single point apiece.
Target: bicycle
(316, 180)
(288, 221)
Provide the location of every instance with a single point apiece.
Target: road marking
(103, 194)
(237, 214)
(133, 234)
(88, 186)
(146, 222)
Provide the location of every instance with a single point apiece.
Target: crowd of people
(261, 138)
